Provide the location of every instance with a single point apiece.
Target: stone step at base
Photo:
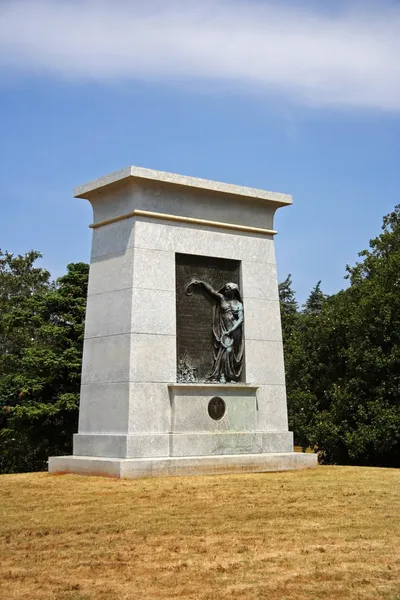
(132, 468)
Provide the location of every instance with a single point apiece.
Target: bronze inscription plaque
(196, 319)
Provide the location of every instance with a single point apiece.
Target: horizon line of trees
(342, 359)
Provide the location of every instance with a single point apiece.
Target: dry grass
(328, 533)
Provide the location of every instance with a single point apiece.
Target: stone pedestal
(136, 419)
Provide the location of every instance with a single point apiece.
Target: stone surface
(189, 408)
(200, 465)
(111, 273)
(190, 443)
(264, 362)
(230, 442)
(263, 320)
(153, 358)
(182, 202)
(153, 311)
(104, 408)
(112, 240)
(139, 173)
(106, 359)
(259, 280)
(149, 408)
(132, 310)
(121, 446)
(205, 241)
(154, 270)
(109, 314)
(271, 408)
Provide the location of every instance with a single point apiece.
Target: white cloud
(350, 57)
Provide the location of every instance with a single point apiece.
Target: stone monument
(183, 367)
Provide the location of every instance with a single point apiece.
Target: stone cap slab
(85, 190)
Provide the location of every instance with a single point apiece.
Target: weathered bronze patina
(216, 408)
(210, 341)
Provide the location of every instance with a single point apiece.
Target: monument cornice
(86, 190)
(182, 219)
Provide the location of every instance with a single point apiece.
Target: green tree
(19, 280)
(287, 298)
(350, 349)
(300, 401)
(41, 333)
(315, 301)
(369, 390)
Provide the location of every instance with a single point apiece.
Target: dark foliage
(342, 358)
(41, 338)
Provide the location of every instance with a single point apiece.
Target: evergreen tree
(287, 297)
(315, 300)
(295, 372)
(41, 332)
(289, 307)
(19, 280)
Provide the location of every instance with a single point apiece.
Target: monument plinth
(183, 367)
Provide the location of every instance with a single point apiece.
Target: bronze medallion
(216, 408)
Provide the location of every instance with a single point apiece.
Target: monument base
(132, 468)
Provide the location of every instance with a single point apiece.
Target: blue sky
(263, 94)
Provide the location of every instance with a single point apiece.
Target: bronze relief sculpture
(227, 327)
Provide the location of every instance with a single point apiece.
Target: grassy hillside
(327, 533)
